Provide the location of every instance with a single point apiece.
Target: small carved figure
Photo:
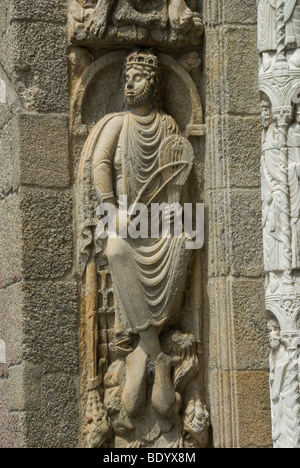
(294, 185)
(266, 25)
(271, 192)
(292, 21)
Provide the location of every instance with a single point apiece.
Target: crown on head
(142, 58)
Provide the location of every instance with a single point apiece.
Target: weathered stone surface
(248, 402)
(54, 11)
(246, 239)
(226, 64)
(10, 241)
(9, 170)
(251, 340)
(46, 231)
(56, 424)
(233, 222)
(43, 149)
(10, 325)
(24, 387)
(254, 409)
(236, 152)
(50, 326)
(218, 12)
(236, 317)
(10, 427)
(39, 69)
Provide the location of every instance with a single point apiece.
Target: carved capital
(283, 115)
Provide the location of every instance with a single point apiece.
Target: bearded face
(138, 91)
(266, 114)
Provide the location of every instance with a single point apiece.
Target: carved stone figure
(139, 154)
(271, 192)
(164, 21)
(266, 25)
(294, 185)
(279, 362)
(292, 22)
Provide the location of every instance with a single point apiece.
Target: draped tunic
(148, 274)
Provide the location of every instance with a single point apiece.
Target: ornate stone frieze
(171, 23)
(279, 81)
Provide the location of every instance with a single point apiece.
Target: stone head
(274, 330)
(266, 112)
(297, 113)
(142, 76)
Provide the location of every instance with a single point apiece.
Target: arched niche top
(100, 91)
(282, 96)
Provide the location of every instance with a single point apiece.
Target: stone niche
(141, 314)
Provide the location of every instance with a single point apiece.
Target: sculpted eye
(138, 79)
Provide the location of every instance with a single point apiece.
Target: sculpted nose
(129, 85)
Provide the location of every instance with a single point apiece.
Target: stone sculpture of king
(140, 154)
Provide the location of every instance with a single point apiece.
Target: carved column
(279, 84)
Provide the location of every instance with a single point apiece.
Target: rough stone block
(47, 233)
(11, 302)
(234, 152)
(43, 150)
(9, 171)
(56, 424)
(239, 12)
(246, 257)
(230, 12)
(240, 88)
(50, 326)
(34, 55)
(53, 11)
(240, 409)
(11, 424)
(237, 328)
(24, 387)
(231, 76)
(10, 241)
(251, 338)
(253, 404)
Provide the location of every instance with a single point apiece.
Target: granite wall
(39, 312)
(38, 293)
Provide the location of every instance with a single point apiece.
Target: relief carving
(143, 358)
(293, 142)
(279, 86)
(156, 22)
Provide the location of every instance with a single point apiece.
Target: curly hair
(152, 75)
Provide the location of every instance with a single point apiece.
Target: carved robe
(294, 187)
(272, 202)
(148, 274)
(292, 20)
(266, 25)
(280, 395)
